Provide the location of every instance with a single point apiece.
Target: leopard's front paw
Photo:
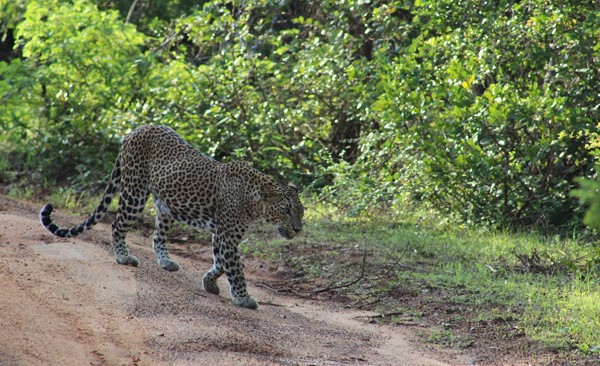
(128, 260)
(210, 285)
(169, 265)
(246, 302)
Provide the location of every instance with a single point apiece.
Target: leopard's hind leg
(209, 281)
(159, 239)
(131, 205)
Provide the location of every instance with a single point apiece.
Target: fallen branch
(285, 290)
(369, 303)
(408, 321)
(388, 271)
(268, 287)
(269, 303)
(384, 315)
(349, 283)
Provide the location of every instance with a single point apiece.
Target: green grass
(21, 193)
(549, 287)
(69, 200)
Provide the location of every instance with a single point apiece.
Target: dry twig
(349, 283)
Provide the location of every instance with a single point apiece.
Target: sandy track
(66, 302)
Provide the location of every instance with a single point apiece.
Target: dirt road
(66, 302)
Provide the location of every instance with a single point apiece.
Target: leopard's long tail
(109, 193)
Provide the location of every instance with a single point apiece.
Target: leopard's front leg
(227, 259)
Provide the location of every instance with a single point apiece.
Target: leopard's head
(282, 207)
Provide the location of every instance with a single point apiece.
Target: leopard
(190, 187)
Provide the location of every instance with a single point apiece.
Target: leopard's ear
(293, 186)
(269, 194)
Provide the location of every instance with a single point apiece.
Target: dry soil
(67, 302)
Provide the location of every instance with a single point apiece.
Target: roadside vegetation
(446, 149)
(499, 294)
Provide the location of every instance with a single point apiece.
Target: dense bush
(487, 112)
(62, 102)
(483, 109)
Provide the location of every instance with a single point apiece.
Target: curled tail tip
(47, 209)
(47, 221)
(45, 214)
(55, 229)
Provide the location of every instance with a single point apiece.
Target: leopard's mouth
(286, 234)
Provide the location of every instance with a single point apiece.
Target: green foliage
(79, 72)
(483, 110)
(589, 195)
(148, 14)
(588, 191)
(10, 13)
(273, 93)
(486, 113)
